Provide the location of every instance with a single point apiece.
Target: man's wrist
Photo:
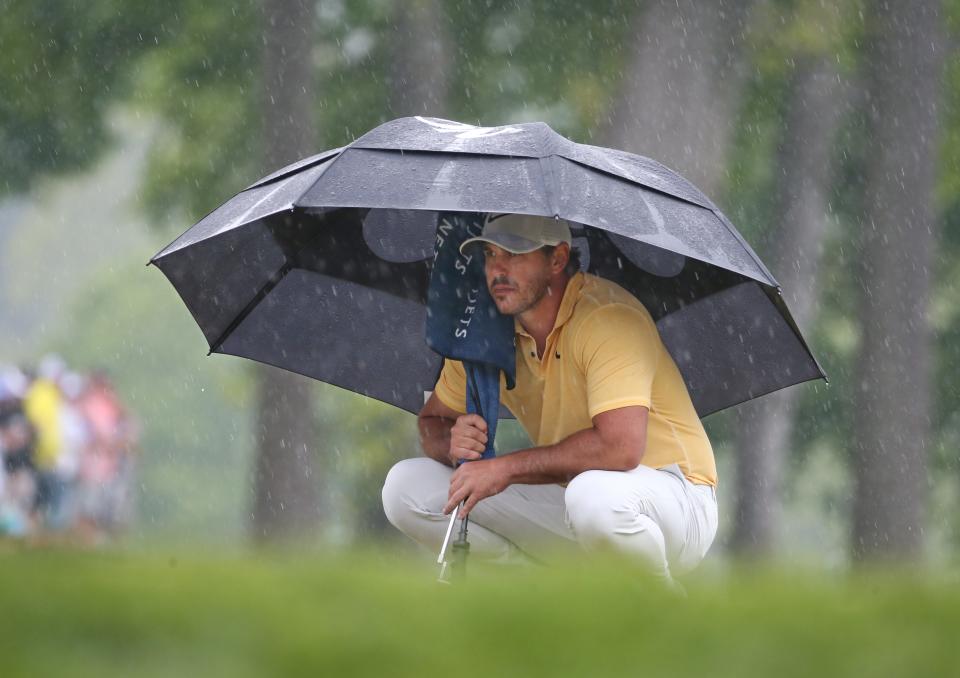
(508, 468)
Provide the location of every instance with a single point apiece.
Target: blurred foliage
(369, 614)
(62, 66)
(203, 83)
(945, 311)
(506, 67)
(557, 62)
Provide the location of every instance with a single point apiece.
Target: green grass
(123, 614)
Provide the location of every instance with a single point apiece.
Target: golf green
(157, 614)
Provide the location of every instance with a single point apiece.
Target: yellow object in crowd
(42, 406)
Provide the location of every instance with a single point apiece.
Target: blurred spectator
(75, 439)
(17, 439)
(105, 468)
(66, 442)
(43, 405)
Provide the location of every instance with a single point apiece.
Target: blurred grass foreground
(122, 614)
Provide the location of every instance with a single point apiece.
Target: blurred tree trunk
(679, 95)
(421, 68)
(285, 487)
(764, 426)
(904, 67)
(423, 59)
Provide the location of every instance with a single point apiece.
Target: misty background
(829, 133)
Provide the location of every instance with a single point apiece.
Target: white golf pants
(658, 515)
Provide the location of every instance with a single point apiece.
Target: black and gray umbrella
(322, 268)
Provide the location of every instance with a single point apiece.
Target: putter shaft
(446, 539)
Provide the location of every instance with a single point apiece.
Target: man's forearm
(559, 463)
(435, 437)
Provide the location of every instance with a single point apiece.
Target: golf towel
(463, 322)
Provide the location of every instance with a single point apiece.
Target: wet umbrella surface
(322, 268)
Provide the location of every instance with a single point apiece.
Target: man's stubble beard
(534, 293)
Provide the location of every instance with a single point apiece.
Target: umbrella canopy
(323, 267)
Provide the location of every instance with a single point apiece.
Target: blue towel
(463, 322)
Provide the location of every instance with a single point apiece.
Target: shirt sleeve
(451, 387)
(619, 348)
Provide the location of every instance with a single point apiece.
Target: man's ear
(561, 255)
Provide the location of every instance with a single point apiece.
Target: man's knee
(408, 488)
(396, 490)
(597, 507)
(589, 509)
(602, 514)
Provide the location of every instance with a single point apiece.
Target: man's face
(517, 282)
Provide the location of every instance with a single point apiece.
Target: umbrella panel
(219, 278)
(435, 181)
(335, 244)
(662, 295)
(342, 333)
(617, 205)
(524, 140)
(249, 206)
(734, 346)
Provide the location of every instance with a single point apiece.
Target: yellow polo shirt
(603, 353)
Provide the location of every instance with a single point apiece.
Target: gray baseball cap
(521, 233)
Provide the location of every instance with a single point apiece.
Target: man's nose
(495, 267)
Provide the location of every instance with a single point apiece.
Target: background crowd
(67, 444)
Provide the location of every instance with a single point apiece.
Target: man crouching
(621, 457)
